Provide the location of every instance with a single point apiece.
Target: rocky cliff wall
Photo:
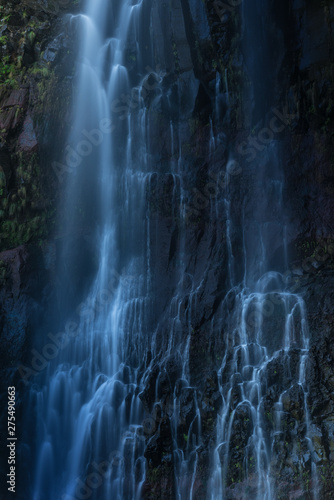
(296, 117)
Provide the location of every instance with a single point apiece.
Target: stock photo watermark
(74, 157)
(248, 150)
(92, 139)
(101, 472)
(266, 307)
(257, 143)
(59, 341)
(200, 199)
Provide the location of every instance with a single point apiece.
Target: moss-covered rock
(35, 101)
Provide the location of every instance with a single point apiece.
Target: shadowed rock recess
(167, 248)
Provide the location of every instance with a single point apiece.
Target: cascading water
(266, 323)
(88, 413)
(242, 427)
(91, 403)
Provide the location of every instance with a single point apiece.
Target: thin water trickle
(267, 323)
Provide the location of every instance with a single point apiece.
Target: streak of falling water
(267, 323)
(242, 387)
(88, 411)
(226, 88)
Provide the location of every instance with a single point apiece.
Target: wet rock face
(34, 95)
(300, 74)
(35, 92)
(25, 274)
(25, 297)
(13, 307)
(320, 402)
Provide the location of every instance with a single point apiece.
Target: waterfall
(122, 381)
(87, 408)
(267, 325)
